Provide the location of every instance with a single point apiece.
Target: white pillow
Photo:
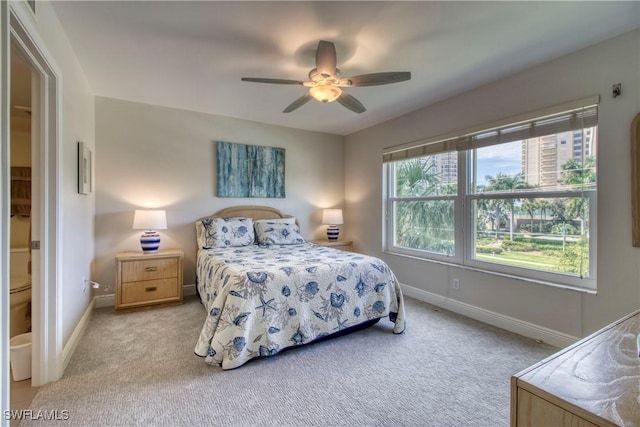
(223, 232)
(278, 233)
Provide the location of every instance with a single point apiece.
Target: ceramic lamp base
(150, 242)
(333, 232)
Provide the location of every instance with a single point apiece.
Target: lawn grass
(521, 259)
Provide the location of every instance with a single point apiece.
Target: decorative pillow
(223, 232)
(287, 220)
(277, 233)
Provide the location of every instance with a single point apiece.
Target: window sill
(495, 273)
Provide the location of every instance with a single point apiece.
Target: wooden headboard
(255, 212)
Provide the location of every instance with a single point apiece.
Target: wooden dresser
(148, 279)
(595, 382)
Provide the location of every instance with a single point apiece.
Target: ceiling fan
(325, 82)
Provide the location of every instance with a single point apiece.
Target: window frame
(464, 223)
(390, 227)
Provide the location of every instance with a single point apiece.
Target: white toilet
(20, 298)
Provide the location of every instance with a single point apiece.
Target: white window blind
(571, 117)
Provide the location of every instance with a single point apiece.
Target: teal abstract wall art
(250, 170)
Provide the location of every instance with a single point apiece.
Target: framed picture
(84, 169)
(250, 170)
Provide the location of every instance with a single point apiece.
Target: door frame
(19, 28)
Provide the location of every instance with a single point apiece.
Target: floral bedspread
(263, 299)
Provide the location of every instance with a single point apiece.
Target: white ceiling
(191, 55)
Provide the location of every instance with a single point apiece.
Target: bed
(265, 289)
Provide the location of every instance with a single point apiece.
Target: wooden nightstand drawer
(148, 279)
(133, 271)
(134, 292)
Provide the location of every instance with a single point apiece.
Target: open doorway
(21, 216)
(22, 37)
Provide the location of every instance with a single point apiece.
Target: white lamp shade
(150, 220)
(332, 216)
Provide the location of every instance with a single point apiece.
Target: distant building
(543, 157)
(445, 166)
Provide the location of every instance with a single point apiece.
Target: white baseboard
(71, 345)
(517, 326)
(109, 300)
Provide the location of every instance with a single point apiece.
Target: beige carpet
(139, 369)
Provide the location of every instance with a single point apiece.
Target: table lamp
(332, 218)
(150, 220)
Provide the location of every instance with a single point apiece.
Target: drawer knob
(151, 289)
(150, 268)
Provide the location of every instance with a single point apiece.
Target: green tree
(484, 215)
(423, 224)
(506, 183)
(575, 259)
(543, 205)
(559, 211)
(530, 206)
(415, 178)
(580, 175)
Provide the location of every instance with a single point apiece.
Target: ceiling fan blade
(375, 79)
(326, 61)
(297, 103)
(275, 81)
(351, 103)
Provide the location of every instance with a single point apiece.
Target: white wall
(588, 72)
(157, 157)
(77, 211)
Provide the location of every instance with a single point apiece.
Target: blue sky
(505, 158)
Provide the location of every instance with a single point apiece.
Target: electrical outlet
(455, 284)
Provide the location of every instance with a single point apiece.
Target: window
(517, 200)
(424, 203)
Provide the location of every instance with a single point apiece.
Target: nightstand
(345, 245)
(148, 279)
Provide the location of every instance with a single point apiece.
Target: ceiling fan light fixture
(325, 81)
(325, 92)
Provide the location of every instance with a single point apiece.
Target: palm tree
(506, 183)
(530, 206)
(559, 210)
(423, 224)
(414, 178)
(484, 213)
(543, 205)
(583, 176)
